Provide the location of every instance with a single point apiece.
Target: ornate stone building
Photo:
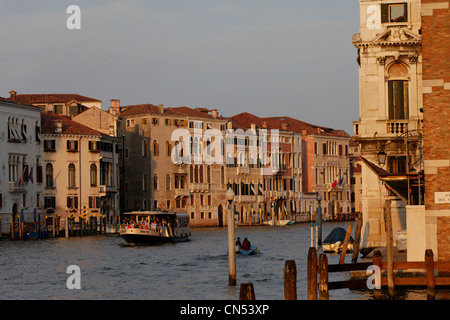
(390, 112)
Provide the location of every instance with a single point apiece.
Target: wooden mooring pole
(246, 292)
(357, 237)
(323, 277)
(290, 280)
(312, 274)
(346, 241)
(390, 247)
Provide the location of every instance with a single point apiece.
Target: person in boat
(246, 245)
(238, 244)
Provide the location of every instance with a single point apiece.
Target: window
(49, 145)
(398, 99)
(71, 173)
(144, 148)
(49, 175)
(72, 145)
(93, 176)
(167, 181)
(397, 164)
(155, 182)
(58, 109)
(94, 202)
(155, 121)
(168, 149)
(393, 13)
(167, 122)
(49, 202)
(94, 146)
(72, 202)
(155, 148)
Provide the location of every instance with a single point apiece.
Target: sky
(270, 58)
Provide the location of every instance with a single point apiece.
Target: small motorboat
(253, 250)
(335, 240)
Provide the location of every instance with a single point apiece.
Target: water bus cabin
(154, 227)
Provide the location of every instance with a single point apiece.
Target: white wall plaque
(442, 197)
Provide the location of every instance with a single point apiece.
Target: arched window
(155, 182)
(93, 175)
(398, 92)
(167, 181)
(191, 173)
(155, 148)
(71, 173)
(49, 175)
(168, 149)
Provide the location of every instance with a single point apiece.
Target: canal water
(193, 270)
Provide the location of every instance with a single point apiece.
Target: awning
(398, 183)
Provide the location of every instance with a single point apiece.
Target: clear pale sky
(270, 58)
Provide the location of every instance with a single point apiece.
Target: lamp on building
(381, 157)
(231, 242)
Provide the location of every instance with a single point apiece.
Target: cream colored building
(154, 179)
(390, 118)
(80, 169)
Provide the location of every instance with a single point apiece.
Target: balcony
(244, 198)
(376, 129)
(242, 170)
(16, 187)
(199, 187)
(182, 193)
(397, 127)
(107, 189)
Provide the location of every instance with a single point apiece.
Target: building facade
(80, 169)
(21, 163)
(390, 118)
(428, 222)
(164, 162)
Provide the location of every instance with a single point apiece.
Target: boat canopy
(337, 234)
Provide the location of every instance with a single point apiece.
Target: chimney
(214, 113)
(264, 125)
(114, 108)
(58, 125)
(12, 94)
(304, 132)
(284, 126)
(161, 108)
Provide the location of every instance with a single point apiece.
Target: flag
(30, 176)
(335, 182)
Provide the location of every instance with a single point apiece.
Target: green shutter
(406, 11)
(384, 13)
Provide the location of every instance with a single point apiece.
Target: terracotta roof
(48, 120)
(150, 108)
(50, 98)
(245, 119)
(138, 109)
(197, 112)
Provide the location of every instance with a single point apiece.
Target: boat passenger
(238, 244)
(246, 245)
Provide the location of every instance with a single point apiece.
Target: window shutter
(68, 202)
(406, 11)
(76, 144)
(53, 202)
(68, 144)
(384, 13)
(75, 200)
(90, 145)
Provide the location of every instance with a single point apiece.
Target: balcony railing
(199, 187)
(182, 193)
(107, 189)
(16, 187)
(396, 127)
